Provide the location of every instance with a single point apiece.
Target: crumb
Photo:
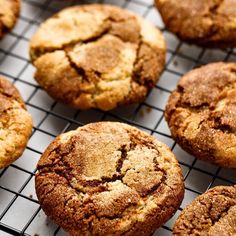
(175, 62)
(30, 196)
(148, 109)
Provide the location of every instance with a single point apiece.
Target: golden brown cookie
(210, 23)
(9, 12)
(211, 214)
(201, 113)
(97, 56)
(15, 123)
(109, 178)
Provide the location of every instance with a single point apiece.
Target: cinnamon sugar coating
(201, 113)
(9, 12)
(210, 23)
(15, 123)
(97, 56)
(109, 178)
(211, 214)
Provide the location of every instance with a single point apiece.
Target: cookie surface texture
(15, 123)
(9, 12)
(201, 113)
(210, 23)
(97, 56)
(211, 214)
(109, 178)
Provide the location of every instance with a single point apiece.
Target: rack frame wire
(17, 196)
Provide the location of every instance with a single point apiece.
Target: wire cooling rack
(20, 213)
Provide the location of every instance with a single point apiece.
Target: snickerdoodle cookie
(9, 11)
(211, 214)
(15, 123)
(109, 178)
(201, 113)
(210, 23)
(97, 56)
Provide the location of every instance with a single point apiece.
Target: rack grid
(20, 213)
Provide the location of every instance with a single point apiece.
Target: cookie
(201, 113)
(15, 123)
(212, 213)
(108, 178)
(97, 56)
(209, 23)
(9, 12)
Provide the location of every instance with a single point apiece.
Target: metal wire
(14, 64)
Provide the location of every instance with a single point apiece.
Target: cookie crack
(212, 14)
(56, 160)
(161, 182)
(60, 166)
(136, 74)
(122, 159)
(115, 177)
(138, 66)
(188, 105)
(209, 216)
(79, 70)
(222, 214)
(5, 124)
(223, 127)
(13, 108)
(211, 117)
(206, 104)
(11, 97)
(213, 9)
(38, 52)
(136, 139)
(7, 95)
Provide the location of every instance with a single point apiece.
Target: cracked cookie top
(212, 213)
(15, 123)
(201, 113)
(97, 56)
(9, 11)
(109, 178)
(210, 23)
